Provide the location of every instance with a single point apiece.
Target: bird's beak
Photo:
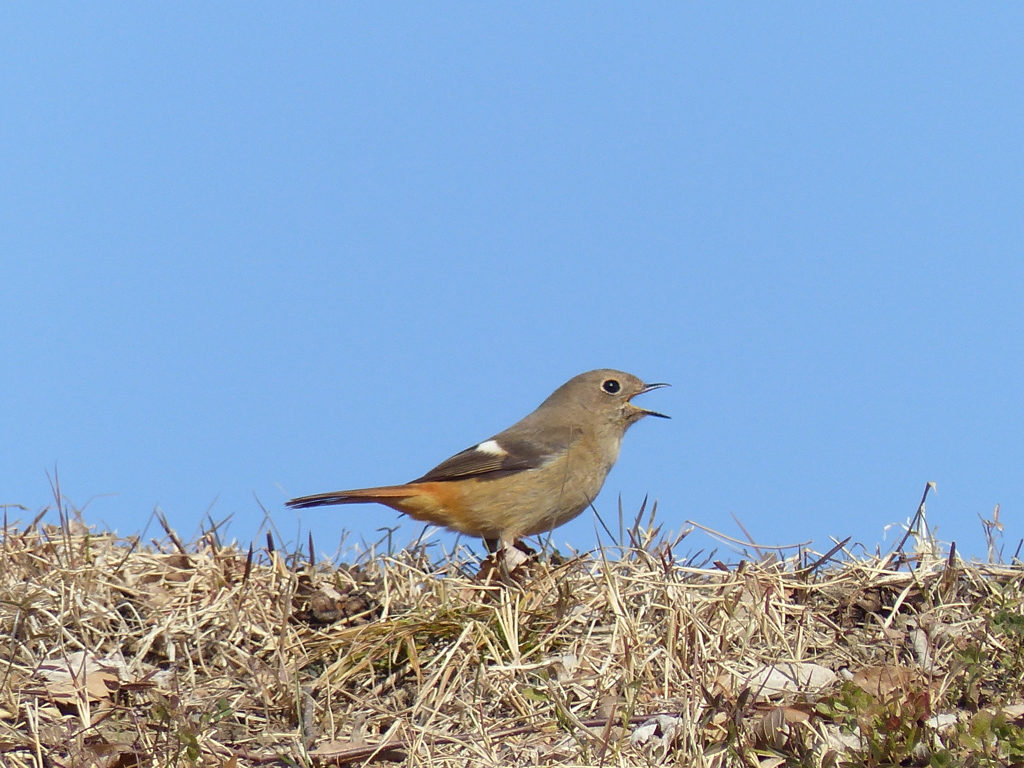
(647, 388)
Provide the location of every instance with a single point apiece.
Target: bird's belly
(524, 504)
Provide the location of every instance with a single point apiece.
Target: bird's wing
(503, 455)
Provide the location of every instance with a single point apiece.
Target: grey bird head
(607, 394)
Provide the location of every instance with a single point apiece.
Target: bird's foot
(507, 562)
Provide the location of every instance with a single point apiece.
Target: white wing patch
(491, 447)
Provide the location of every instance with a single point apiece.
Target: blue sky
(253, 254)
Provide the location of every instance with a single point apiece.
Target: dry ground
(118, 652)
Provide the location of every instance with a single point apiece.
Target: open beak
(647, 388)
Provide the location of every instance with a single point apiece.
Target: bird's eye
(611, 386)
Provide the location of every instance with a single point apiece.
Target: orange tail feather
(383, 495)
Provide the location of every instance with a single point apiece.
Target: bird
(529, 479)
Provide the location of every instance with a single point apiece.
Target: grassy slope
(119, 653)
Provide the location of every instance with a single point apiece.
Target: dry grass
(120, 653)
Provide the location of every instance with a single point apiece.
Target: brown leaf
(79, 676)
(880, 681)
(771, 729)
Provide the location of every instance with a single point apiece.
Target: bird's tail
(388, 494)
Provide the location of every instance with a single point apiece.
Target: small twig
(746, 533)
(825, 558)
(779, 547)
(170, 533)
(910, 529)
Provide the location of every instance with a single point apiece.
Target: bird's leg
(504, 558)
(493, 546)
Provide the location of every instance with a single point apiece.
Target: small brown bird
(536, 475)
